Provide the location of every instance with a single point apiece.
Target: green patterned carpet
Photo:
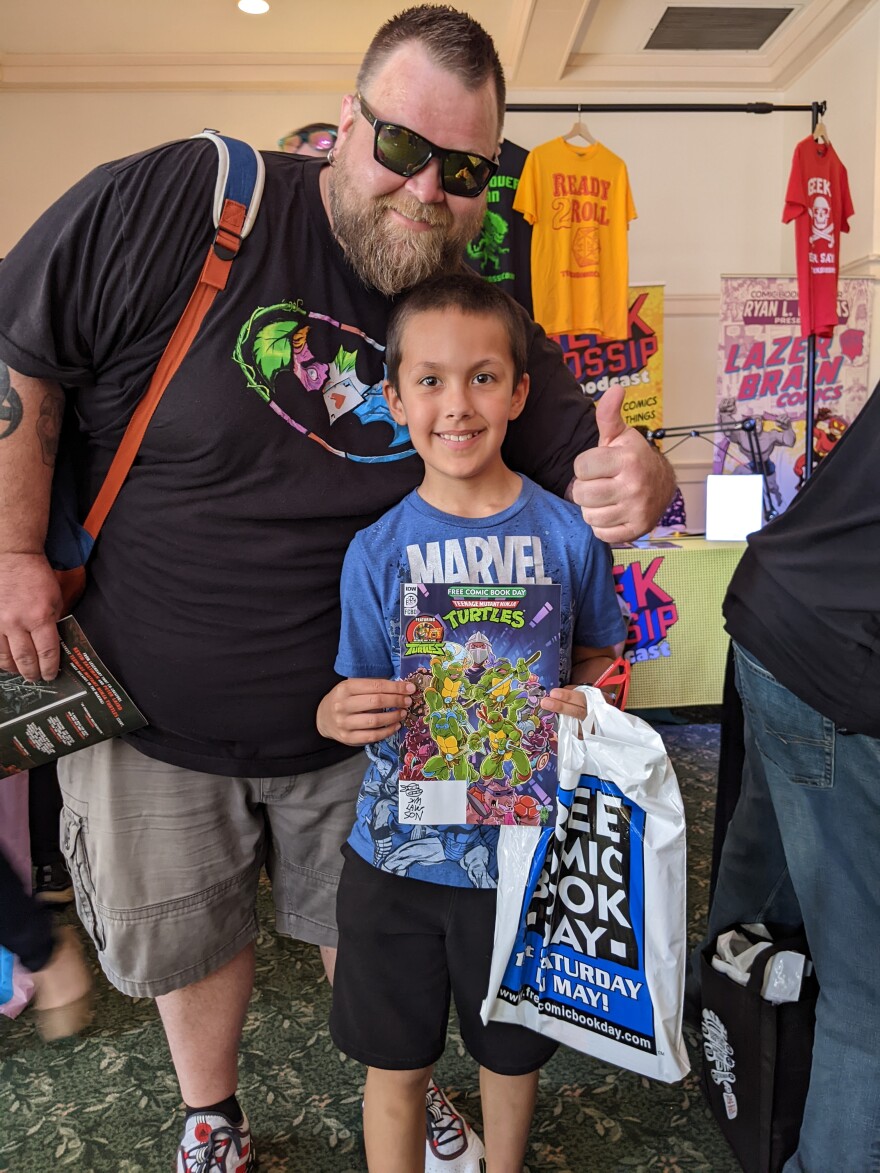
(107, 1101)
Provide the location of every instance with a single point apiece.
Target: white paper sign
(733, 507)
(432, 802)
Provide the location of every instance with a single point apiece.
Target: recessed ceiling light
(253, 7)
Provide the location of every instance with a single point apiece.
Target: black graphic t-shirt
(214, 587)
(502, 252)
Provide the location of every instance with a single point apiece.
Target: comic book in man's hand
(43, 720)
(476, 746)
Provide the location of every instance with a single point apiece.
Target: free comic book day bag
(590, 943)
(757, 1057)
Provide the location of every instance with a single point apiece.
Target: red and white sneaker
(451, 1145)
(211, 1144)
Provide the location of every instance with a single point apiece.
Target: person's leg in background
(825, 797)
(731, 755)
(750, 881)
(51, 881)
(753, 884)
(54, 958)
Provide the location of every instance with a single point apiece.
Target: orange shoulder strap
(240, 174)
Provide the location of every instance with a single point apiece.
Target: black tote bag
(756, 1058)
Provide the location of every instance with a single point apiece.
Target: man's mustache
(437, 215)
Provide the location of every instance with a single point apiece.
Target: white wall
(49, 140)
(847, 76)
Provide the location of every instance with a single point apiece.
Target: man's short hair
(453, 40)
(466, 293)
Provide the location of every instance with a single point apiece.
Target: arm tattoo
(10, 405)
(49, 427)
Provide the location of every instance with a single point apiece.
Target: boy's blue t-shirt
(538, 539)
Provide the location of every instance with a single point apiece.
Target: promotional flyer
(44, 719)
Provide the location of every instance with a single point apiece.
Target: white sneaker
(451, 1145)
(211, 1144)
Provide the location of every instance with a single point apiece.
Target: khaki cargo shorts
(165, 861)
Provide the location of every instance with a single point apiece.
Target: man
(316, 139)
(213, 590)
(801, 847)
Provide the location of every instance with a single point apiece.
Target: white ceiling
(570, 46)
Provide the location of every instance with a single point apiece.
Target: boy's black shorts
(404, 947)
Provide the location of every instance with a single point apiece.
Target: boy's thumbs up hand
(624, 484)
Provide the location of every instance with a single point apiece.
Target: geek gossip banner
(636, 361)
(762, 369)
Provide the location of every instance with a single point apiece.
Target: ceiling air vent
(727, 29)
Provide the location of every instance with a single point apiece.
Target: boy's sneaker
(51, 883)
(452, 1146)
(212, 1144)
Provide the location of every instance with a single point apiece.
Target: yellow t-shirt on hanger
(579, 201)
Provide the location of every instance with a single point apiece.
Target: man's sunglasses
(406, 153)
(318, 140)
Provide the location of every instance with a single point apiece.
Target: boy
(455, 377)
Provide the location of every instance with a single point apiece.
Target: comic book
(43, 720)
(476, 746)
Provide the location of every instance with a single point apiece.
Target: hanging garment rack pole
(816, 111)
(816, 108)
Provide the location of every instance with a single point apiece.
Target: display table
(673, 591)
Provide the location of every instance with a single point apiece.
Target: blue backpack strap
(241, 174)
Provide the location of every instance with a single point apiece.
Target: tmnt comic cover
(476, 746)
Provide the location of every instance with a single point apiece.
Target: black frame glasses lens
(406, 153)
(466, 175)
(400, 150)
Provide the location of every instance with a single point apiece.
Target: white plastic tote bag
(590, 939)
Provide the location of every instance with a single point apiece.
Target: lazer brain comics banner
(477, 747)
(762, 373)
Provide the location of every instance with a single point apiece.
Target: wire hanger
(579, 130)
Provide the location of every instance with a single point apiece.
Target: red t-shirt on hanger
(819, 202)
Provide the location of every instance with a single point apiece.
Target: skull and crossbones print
(823, 225)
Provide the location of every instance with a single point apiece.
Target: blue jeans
(804, 847)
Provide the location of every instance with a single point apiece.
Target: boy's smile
(456, 395)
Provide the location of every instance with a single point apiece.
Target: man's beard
(383, 253)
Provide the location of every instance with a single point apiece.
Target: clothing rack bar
(660, 108)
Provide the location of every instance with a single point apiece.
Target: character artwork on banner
(635, 362)
(762, 370)
(477, 747)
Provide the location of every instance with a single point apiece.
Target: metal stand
(749, 426)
